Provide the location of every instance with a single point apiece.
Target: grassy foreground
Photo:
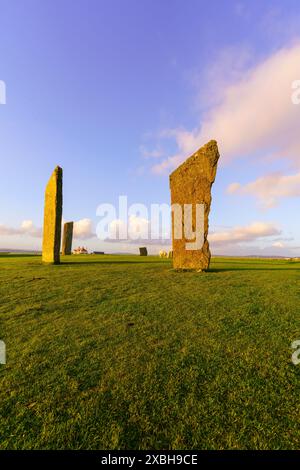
(121, 352)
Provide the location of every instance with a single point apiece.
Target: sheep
(163, 254)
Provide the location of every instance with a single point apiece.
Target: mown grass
(121, 352)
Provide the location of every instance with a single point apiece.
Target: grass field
(121, 352)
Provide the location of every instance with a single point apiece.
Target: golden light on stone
(52, 218)
(191, 184)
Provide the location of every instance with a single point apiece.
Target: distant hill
(13, 250)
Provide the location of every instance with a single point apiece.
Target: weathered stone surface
(191, 183)
(52, 218)
(143, 251)
(67, 238)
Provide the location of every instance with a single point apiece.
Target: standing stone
(191, 183)
(170, 254)
(67, 238)
(143, 251)
(52, 218)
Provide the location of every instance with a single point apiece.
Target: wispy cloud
(253, 116)
(227, 237)
(83, 229)
(154, 153)
(27, 228)
(269, 189)
(278, 245)
(242, 234)
(138, 231)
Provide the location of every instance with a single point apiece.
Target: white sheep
(163, 254)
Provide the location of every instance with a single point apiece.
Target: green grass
(121, 352)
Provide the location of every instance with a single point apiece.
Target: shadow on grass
(164, 263)
(253, 265)
(275, 268)
(79, 263)
(248, 265)
(18, 255)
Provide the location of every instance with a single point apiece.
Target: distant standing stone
(143, 251)
(170, 254)
(67, 238)
(52, 218)
(191, 184)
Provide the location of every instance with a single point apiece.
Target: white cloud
(168, 164)
(27, 228)
(137, 229)
(249, 233)
(155, 153)
(83, 229)
(278, 244)
(254, 115)
(269, 189)
(228, 237)
(5, 230)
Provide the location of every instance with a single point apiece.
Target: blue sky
(119, 92)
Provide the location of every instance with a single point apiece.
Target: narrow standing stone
(52, 218)
(191, 184)
(67, 239)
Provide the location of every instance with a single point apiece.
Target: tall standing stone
(52, 218)
(67, 239)
(191, 184)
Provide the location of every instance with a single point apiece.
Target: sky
(119, 93)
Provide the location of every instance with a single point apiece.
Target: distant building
(80, 251)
